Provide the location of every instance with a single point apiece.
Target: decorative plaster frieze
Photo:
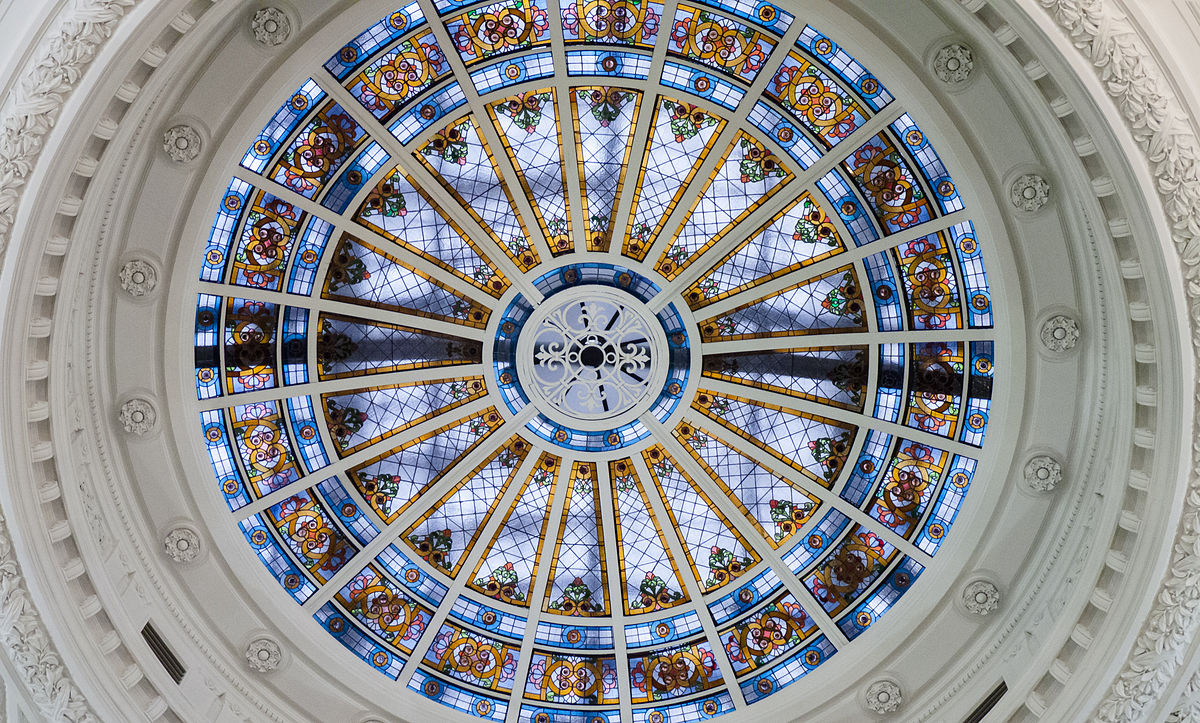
(1134, 79)
(47, 80)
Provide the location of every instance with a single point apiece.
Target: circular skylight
(592, 363)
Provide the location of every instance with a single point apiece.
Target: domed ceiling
(609, 359)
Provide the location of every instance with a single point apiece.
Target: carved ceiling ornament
(953, 64)
(263, 655)
(138, 278)
(1103, 34)
(271, 27)
(883, 697)
(981, 597)
(1043, 473)
(137, 416)
(1060, 333)
(182, 545)
(1030, 193)
(182, 143)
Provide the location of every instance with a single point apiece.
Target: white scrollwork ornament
(883, 697)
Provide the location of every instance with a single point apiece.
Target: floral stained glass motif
(886, 179)
(850, 568)
(814, 445)
(304, 526)
(499, 28)
(446, 532)
(399, 211)
(362, 274)
(649, 575)
(391, 481)
(604, 122)
(572, 679)
(715, 550)
(352, 347)
(320, 149)
(266, 242)
(473, 658)
(627, 22)
(460, 159)
(250, 339)
(357, 419)
(935, 386)
(529, 129)
(801, 235)
(508, 566)
(767, 635)
(384, 608)
(830, 375)
(719, 42)
(831, 303)
(579, 578)
(681, 139)
(394, 78)
(776, 507)
(747, 176)
(930, 284)
(674, 672)
(262, 442)
(816, 100)
(908, 486)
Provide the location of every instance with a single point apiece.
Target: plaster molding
(1043, 473)
(981, 597)
(137, 416)
(271, 27)
(1137, 84)
(182, 143)
(182, 545)
(1029, 193)
(263, 655)
(1060, 333)
(46, 81)
(953, 64)
(883, 697)
(138, 278)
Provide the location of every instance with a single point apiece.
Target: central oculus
(597, 357)
(595, 354)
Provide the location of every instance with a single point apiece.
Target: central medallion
(595, 353)
(593, 357)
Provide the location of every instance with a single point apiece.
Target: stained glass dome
(593, 365)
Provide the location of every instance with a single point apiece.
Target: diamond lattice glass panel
(604, 122)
